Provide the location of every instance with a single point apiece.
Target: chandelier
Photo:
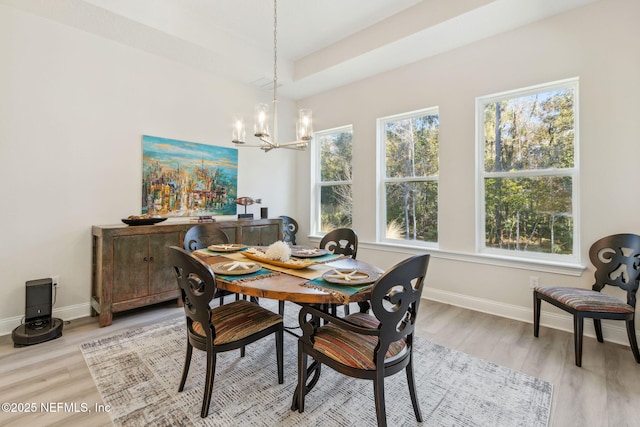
(269, 141)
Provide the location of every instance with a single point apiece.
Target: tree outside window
(334, 179)
(528, 169)
(409, 170)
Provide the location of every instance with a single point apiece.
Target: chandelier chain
(275, 50)
(269, 140)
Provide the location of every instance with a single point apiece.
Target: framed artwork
(181, 179)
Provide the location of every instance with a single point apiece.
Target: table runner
(311, 272)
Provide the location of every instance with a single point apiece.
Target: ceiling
(322, 44)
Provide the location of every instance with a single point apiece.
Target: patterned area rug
(137, 373)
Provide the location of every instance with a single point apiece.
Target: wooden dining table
(294, 285)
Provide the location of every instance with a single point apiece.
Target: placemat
(260, 274)
(343, 292)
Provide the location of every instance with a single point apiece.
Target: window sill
(547, 266)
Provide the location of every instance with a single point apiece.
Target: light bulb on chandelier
(304, 124)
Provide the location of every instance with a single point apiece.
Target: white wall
(597, 43)
(73, 108)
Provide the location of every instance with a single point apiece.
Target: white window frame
(575, 257)
(317, 183)
(381, 179)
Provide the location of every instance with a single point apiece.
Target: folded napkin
(343, 292)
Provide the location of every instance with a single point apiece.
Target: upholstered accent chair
(214, 330)
(367, 346)
(617, 262)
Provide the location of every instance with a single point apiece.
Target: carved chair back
(197, 287)
(617, 262)
(202, 235)
(341, 241)
(289, 229)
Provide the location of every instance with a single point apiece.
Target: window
(408, 171)
(527, 171)
(333, 199)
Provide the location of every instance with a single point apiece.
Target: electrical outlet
(533, 281)
(55, 280)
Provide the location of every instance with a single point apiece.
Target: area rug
(137, 373)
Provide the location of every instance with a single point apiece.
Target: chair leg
(208, 388)
(302, 376)
(378, 392)
(412, 390)
(346, 309)
(281, 308)
(631, 332)
(536, 314)
(280, 354)
(185, 369)
(597, 324)
(364, 306)
(578, 324)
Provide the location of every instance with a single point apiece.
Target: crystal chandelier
(304, 125)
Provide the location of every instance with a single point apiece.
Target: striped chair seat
(350, 348)
(586, 300)
(238, 320)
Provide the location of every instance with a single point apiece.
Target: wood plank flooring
(605, 392)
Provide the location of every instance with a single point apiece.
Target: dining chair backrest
(202, 235)
(617, 262)
(395, 299)
(197, 287)
(289, 229)
(341, 241)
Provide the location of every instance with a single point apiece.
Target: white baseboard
(616, 333)
(612, 333)
(71, 312)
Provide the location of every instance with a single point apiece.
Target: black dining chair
(617, 262)
(289, 229)
(214, 330)
(201, 236)
(343, 241)
(367, 346)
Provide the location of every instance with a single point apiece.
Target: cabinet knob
(150, 259)
(145, 259)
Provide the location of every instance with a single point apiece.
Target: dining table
(325, 281)
(298, 285)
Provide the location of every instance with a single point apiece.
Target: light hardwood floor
(605, 392)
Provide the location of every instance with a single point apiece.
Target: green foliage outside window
(528, 172)
(335, 180)
(411, 181)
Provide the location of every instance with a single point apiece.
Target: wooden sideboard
(131, 266)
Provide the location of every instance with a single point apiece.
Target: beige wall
(598, 44)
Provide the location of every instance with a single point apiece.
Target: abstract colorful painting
(181, 179)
